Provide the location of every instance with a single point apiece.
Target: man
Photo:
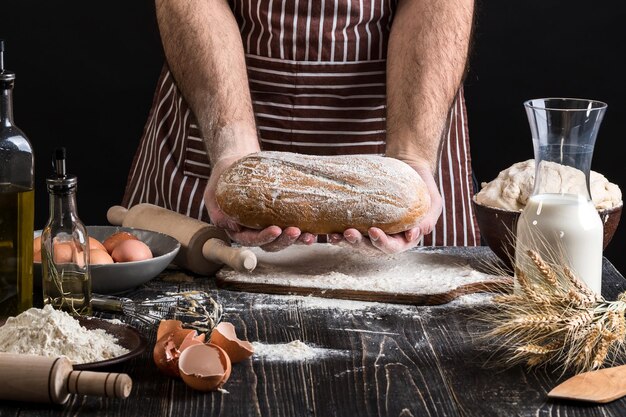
(310, 76)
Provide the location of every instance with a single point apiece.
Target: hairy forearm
(426, 62)
(205, 54)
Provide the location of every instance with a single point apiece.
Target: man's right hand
(270, 239)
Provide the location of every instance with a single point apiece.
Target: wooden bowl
(497, 228)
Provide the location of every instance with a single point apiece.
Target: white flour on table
(53, 333)
(295, 350)
(329, 267)
(354, 307)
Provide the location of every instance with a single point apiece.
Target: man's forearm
(205, 54)
(426, 61)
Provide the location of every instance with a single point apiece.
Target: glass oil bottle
(65, 246)
(17, 208)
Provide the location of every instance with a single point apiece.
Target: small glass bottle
(65, 246)
(17, 205)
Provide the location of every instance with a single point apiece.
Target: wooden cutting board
(420, 277)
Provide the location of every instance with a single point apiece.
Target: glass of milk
(560, 221)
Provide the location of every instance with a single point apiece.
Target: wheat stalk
(554, 318)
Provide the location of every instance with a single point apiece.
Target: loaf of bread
(323, 194)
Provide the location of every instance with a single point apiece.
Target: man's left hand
(378, 240)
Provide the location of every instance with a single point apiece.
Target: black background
(86, 72)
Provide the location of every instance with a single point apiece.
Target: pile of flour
(293, 351)
(53, 333)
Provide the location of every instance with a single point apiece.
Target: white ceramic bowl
(124, 276)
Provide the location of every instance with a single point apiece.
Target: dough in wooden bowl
(323, 194)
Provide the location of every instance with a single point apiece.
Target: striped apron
(316, 73)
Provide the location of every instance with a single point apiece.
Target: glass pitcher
(560, 221)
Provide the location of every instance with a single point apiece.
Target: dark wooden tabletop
(379, 360)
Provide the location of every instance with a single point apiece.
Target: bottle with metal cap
(17, 205)
(65, 246)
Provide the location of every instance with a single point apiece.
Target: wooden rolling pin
(204, 247)
(52, 380)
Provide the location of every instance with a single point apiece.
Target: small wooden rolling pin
(204, 247)
(52, 380)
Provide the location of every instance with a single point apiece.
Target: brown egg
(204, 367)
(96, 244)
(223, 335)
(112, 241)
(62, 253)
(130, 251)
(99, 257)
(37, 257)
(37, 245)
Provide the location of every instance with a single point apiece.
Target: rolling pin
(52, 380)
(204, 247)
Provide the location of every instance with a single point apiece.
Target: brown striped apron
(316, 73)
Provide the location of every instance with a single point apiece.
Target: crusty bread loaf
(323, 194)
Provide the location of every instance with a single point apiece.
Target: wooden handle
(116, 215)
(191, 233)
(600, 386)
(218, 251)
(101, 384)
(47, 380)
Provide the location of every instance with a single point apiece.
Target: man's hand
(270, 239)
(377, 240)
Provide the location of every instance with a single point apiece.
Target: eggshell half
(204, 367)
(192, 338)
(165, 355)
(172, 340)
(168, 326)
(224, 336)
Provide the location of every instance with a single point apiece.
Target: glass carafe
(560, 221)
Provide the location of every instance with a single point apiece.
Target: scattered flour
(292, 351)
(330, 267)
(52, 333)
(340, 307)
(309, 302)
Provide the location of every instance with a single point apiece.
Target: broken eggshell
(168, 326)
(224, 336)
(165, 355)
(204, 367)
(172, 340)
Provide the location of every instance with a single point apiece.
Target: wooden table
(382, 360)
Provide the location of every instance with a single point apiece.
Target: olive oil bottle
(16, 205)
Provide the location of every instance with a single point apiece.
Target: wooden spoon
(601, 386)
